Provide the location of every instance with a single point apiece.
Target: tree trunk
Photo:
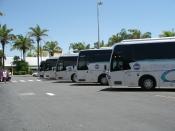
(24, 55)
(3, 57)
(38, 55)
(41, 53)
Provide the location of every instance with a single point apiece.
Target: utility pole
(99, 3)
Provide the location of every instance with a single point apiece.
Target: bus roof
(69, 55)
(87, 50)
(72, 54)
(147, 40)
(52, 58)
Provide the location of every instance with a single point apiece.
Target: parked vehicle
(147, 63)
(42, 68)
(35, 74)
(92, 65)
(66, 68)
(50, 64)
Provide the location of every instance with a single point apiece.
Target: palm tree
(52, 47)
(42, 52)
(30, 52)
(37, 32)
(1, 56)
(5, 37)
(23, 43)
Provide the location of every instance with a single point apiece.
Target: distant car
(35, 74)
(9, 76)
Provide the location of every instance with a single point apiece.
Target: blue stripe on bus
(164, 75)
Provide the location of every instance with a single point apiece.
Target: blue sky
(76, 20)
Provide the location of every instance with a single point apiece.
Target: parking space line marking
(27, 94)
(22, 80)
(14, 81)
(167, 97)
(50, 94)
(30, 80)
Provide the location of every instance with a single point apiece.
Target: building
(32, 61)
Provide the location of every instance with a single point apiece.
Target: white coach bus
(49, 68)
(92, 65)
(66, 68)
(147, 63)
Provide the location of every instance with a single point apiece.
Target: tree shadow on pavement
(62, 82)
(86, 84)
(137, 90)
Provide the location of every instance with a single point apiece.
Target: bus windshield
(50, 63)
(42, 66)
(82, 63)
(92, 56)
(119, 63)
(65, 61)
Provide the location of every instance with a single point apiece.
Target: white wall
(31, 60)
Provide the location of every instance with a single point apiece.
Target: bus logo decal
(136, 66)
(166, 74)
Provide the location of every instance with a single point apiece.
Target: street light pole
(98, 22)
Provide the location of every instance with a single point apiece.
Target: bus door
(69, 72)
(60, 71)
(94, 70)
(82, 75)
(119, 70)
(82, 68)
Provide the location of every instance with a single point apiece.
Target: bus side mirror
(105, 67)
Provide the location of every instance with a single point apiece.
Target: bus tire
(73, 77)
(103, 80)
(147, 82)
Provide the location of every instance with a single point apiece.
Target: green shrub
(30, 71)
(22, 72)
(21, 68)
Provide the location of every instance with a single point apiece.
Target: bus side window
(119, 63)
(126, 65)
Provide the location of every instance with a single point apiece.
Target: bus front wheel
(147, 83)
(103, 80)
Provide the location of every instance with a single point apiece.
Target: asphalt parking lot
(31, 104)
